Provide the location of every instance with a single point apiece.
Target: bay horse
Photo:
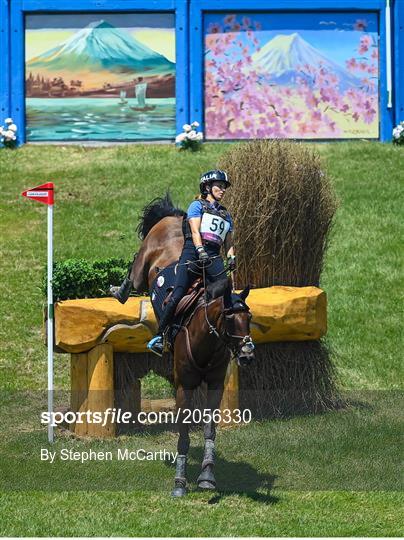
(203, 347)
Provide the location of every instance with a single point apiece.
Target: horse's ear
(244, 293)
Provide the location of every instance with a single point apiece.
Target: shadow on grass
(232, 477)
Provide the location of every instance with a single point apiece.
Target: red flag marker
(43, 193)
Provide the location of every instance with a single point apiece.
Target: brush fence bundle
(283, 205)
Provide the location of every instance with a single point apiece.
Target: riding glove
(203, 256)
(231, 263)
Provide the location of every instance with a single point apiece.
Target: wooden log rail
(94, 329)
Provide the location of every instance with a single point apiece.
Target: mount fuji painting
(109, 78)
(286, 75)
(283, 56)
(101, 46)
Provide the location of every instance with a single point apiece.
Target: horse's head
(237, 329)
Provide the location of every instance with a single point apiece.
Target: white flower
(8, 120)
(186, 127)
(397, 131)
(13, 127)
(9, 134)
(181, 137)
(192, 135)
(195, 124)
(199, 136)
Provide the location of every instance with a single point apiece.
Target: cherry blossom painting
(303, 76)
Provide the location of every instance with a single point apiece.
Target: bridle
(247, 344)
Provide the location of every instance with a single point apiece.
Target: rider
(208, 226)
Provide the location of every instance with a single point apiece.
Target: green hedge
(79, 278)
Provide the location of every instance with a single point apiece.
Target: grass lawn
(335, 474)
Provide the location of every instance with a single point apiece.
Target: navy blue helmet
(210, 177)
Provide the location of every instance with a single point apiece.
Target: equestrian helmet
(212, 176)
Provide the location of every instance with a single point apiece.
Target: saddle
(189, 300)
(184, 309)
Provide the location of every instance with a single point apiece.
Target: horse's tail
(152, 213)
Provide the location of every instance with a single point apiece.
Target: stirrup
(156, 345)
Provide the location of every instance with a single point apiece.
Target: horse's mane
(152, 213)
(217, 288)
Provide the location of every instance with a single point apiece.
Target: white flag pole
(50, 321)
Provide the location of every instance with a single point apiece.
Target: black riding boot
(156, 344)
(167, 315)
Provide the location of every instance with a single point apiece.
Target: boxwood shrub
(79, 278)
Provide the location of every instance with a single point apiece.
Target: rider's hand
(202, 255)
(231, 263)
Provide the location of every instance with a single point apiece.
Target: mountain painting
(285, 75)
(100, 77)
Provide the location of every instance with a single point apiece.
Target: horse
(204, 344)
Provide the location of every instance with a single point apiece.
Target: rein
(212, 329)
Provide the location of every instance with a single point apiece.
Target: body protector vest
(214, 224)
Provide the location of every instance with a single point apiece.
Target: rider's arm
(195, 225)
(228, 245)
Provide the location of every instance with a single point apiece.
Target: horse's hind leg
(183, 400)
(206, 480)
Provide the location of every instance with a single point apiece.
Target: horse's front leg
(206, 480)
(183, 401)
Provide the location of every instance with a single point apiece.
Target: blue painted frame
(398, 47)
(19, 8)
(4, 55)
(199, 7)
(189, 46)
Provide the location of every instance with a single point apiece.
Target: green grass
(123, 514)
(332, 474)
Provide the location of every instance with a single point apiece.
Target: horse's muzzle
(246, 354)
(245, 360)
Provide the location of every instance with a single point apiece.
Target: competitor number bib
(214, 228)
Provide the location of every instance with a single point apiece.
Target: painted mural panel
(305, 76)
(100, 76)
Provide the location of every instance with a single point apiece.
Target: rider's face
(218, 189)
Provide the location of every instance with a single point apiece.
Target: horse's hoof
(178, 492)
(206, 480)
(207, 485)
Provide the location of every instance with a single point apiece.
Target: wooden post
(230, 399)
(128, 399)
(79, 390)
(101, 388)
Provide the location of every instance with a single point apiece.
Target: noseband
(247, 344)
